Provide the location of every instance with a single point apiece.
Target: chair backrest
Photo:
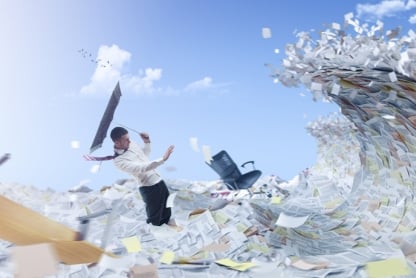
(224, 166)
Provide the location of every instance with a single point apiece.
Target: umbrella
(106, 119)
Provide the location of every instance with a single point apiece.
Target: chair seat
(248, 179)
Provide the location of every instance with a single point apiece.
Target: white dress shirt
(135, 161)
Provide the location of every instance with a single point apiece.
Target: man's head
(120, 137)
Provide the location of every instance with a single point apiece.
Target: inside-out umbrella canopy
(106, 119)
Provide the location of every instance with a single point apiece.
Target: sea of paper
(311, 226)
(351, 214)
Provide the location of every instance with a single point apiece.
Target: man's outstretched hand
(168, 152)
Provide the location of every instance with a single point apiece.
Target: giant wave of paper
(370, 74)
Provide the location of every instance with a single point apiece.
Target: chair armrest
(84, 222)
(245, 163)
(94, 215)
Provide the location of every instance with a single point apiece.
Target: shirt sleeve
(146, 149)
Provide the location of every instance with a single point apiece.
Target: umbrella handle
(128, 128)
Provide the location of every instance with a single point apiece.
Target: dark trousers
(155, 198)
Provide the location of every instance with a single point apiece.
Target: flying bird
(86, 54)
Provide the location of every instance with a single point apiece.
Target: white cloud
(411, 4)
(111, 61)
(143, 82)
(200, 85)
(412, 19)
(386, 8)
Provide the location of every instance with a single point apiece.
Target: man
(134, 160)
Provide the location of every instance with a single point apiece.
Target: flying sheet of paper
(266, 33)
(171, 200)
(206, 150)
(392, 76)
(132, 244)
(194, 144)
(316, 86)
(95, 168)
(75, 144)
(290, 221)
(36, 260)
(336, 26)
(335, 89)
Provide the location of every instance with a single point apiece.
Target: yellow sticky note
(276, 200)
(132, 244)
(241, 227)
(385, 201)
(388, 268)
(220, 217)
(227, 262)
(234, 265)
(339, 214)
(403, 229)
(333, 203)
(243, 266)
(167, 257)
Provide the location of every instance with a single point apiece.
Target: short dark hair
(117, 132)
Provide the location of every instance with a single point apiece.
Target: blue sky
(187, 68)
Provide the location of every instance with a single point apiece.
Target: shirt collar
(119, 151)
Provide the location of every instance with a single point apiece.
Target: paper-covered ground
(328, 221)
(350, 215)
